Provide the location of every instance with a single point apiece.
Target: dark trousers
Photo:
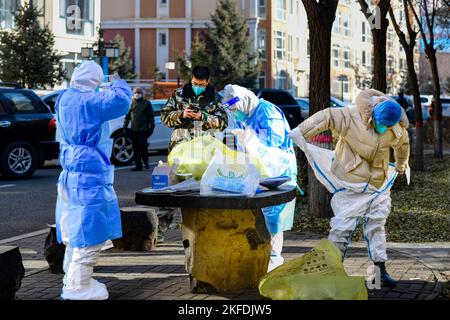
(140, 147)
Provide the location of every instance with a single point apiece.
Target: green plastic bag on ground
(317, 275)
(195, 155)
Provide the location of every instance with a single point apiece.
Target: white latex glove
(114, 77)
(296, 136)
(245, 137)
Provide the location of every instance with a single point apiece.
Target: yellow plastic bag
(317, 275)
(195, 155)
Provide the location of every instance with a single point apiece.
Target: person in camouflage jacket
(194, 110)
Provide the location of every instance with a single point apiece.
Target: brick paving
(161, 275)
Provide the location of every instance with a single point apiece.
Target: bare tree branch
(419, 23)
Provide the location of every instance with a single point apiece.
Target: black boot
(386, 280)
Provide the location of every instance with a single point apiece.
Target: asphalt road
(28, 205)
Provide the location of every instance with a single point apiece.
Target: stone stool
(139, 229)
(11, 272)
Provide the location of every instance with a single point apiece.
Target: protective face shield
(87, 76)
(380, 128)
(246, 103)
(237, 114)
(198, 90)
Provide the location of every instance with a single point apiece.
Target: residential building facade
(158, 30)
(73, 23)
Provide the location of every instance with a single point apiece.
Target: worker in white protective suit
(87, 209)
(255, 118)
(358, 171)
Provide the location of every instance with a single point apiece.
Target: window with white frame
(308, 48)
(363, 58)
(281, 80)
(163, 3)
(290, 46)
(162, 39)
(291, 6)
(262, 43)
(336, 50)
(262, 9)
(346, 24)
(363, 32)
(280, 45)
(297, 47)
(337, 22)
(390, 37)
(79, 15)
(346, 57)
(7, 10)
(280, 9)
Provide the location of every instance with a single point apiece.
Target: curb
(439, 278)
(24, 236)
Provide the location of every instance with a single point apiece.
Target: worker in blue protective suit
(271, 127)
(87, 209)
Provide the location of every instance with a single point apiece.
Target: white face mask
(138, 96)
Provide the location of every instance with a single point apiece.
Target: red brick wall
(127, 34)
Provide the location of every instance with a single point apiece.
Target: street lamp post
(103, 51)
(171, 66)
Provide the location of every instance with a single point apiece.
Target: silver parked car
(122, 153)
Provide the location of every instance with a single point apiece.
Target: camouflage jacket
(214, 116)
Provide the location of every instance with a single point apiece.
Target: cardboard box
(163, 176)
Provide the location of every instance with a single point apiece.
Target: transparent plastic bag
(229, 178)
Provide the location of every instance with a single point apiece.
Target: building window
(262, 9)
(290, 45)
(79, 15)
(346, 25)
(363, 58)
(363, 31)
(281, 80)
(291, 6)
(7, 10)
(163, 3)
(262, 38)
(336, 56)
(280, 7)
(262, 79)
(308, 48)
(280, 45)
(162, 39)
(337, 23)
(346, 57)
(390, 37)
(297, 47)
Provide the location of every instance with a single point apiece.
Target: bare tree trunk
(437, 108)
(379, 59)
(379, 24)
(320, 21)
(418, 147)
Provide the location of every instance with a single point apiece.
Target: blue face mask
(198, 90)
(240, 116)
(380, 128)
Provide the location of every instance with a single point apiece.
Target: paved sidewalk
(161, 275)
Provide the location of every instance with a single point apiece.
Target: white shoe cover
(95, 291)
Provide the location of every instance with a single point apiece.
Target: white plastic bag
(227, 177)
(276, 161)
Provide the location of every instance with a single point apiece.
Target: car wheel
(122, 152)
(19, 160)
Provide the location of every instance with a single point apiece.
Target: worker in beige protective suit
(358, 171)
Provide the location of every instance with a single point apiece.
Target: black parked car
(27, 132)
(285, 101)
